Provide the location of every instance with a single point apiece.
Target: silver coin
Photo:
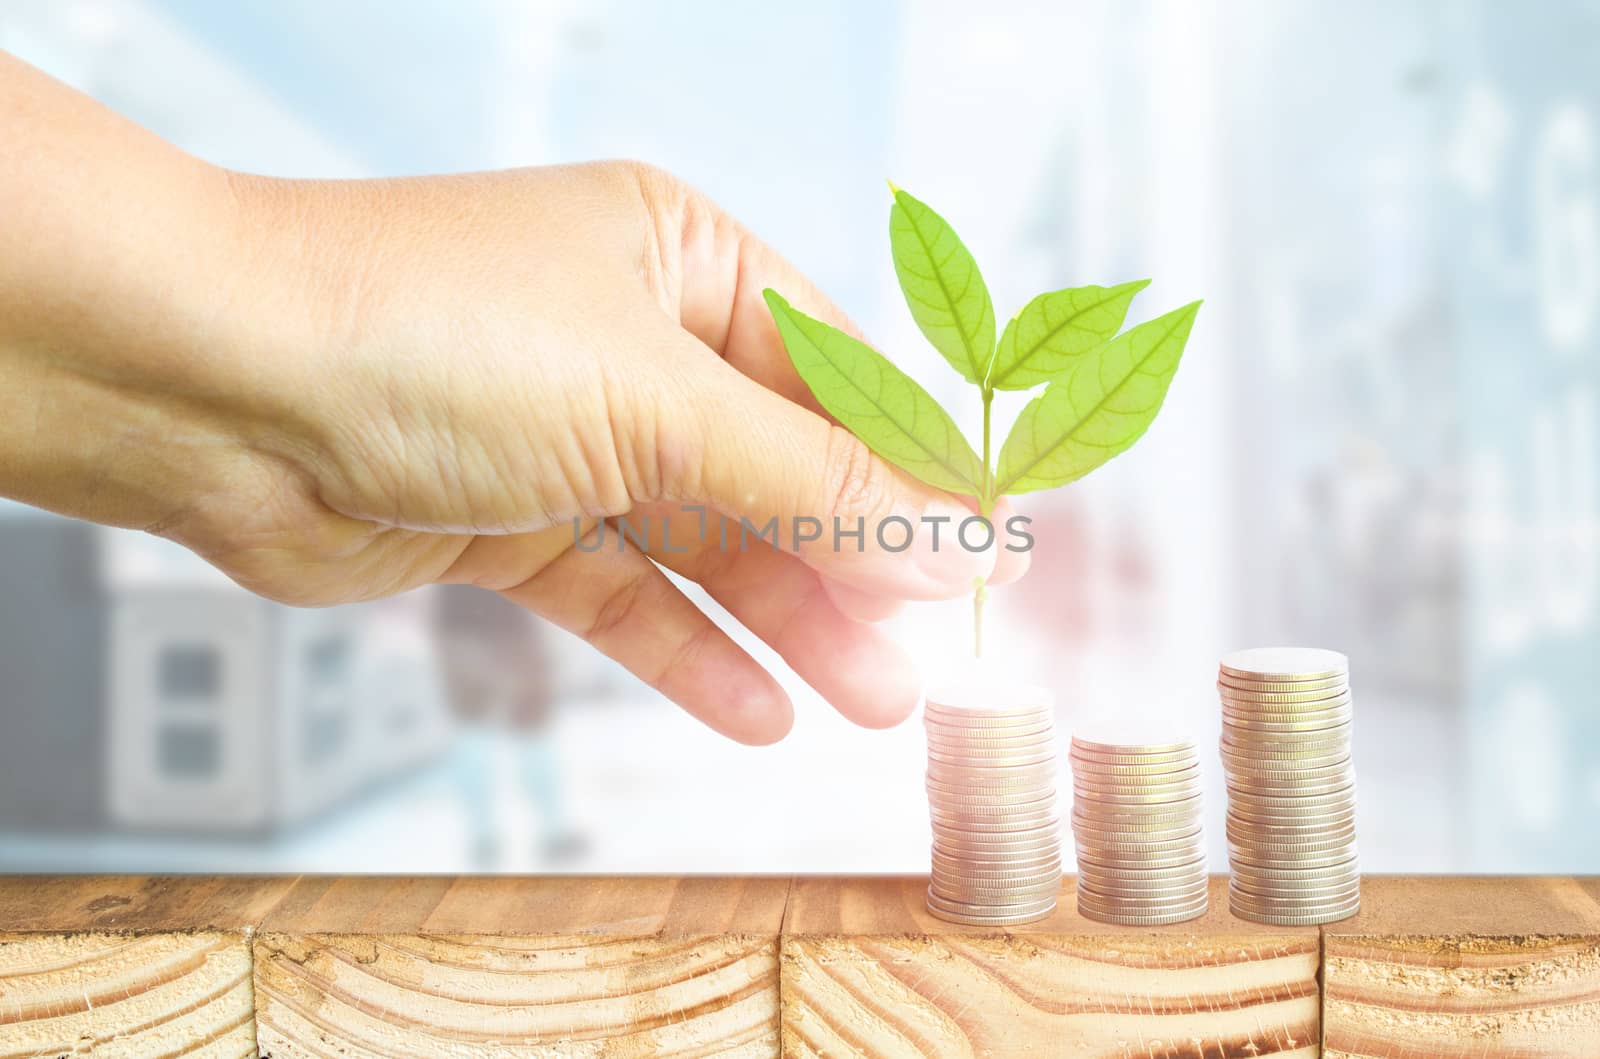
(1177, 886)
(1310, 767)
(1299, 853)
(1303, 744)
(1155, 771)
(1319, 912)
(1002, 859)
(998, 907)
(1090, 796)
(1285, 664)
(1111, 902)
(1292, 858)
(1141, 903)
(1186, 780)
(997, 872)
(996, 827)
(1094, 757)
(1268, 711)
(1290, 816)
(1308, 906)
(996, 896)
(1028, 733)
(1101, 860)
(1257, 836)
(985, 754)
(1320, 728)
(1133, 750)
(1300, 891)
(958, 861)
(1299, 895)
(1137, 905)
(1306, 920)
(1012, 919)
(1299, 745)
(1009, 725)
(992, 803)
(1149, 822)
(995, 762)
(1346, 864)
(1267, 781)
(1292, 827)
(1343, 794)
(948, 881)
(1158, 854)
(1285, 701)
(989, 778)
(1141, 919)
(987, 718)
(959, 844)
(1232, 683)
(1134, 869)
(1089, 828)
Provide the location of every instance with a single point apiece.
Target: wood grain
(129, 966)
(567, 966)
(867, 971)
(1466, 967)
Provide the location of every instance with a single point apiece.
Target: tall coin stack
(1136, 826)
(991, 798)
(1286, 714)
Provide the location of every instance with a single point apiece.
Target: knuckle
(617, 609)
(685, 653)
(859, 483)
(655, 183)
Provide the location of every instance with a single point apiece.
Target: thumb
(806, 485)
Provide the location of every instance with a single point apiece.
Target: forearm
(127, 299)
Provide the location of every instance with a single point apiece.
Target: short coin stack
(1136, 825)
(991, 798)
(1286, 714)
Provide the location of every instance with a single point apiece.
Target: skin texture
(336, 391)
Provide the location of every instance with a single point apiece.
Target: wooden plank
(867, 971)
(575, 966)
(130, 965)
(1450, 968)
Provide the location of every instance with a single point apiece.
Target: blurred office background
(1384, 437)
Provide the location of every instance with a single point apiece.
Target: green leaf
(1098, 410)
(877, 402)
(1054, 329)
(942, 286)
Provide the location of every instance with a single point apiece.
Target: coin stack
(1136, 825)
(1286, 715)
(992, 800)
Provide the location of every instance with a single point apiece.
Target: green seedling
(1102, 389)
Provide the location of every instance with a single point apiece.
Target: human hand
(349, 389)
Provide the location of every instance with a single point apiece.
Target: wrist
(141, 342)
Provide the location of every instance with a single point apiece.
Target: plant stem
(980, 591)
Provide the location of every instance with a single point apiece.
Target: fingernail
(948, 554)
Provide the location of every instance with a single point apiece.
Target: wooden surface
(508, 966)
(1443, 968)
(129, 966)
(1466, 967)
(866, 970)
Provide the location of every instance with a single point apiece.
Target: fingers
(859, 670)
(767, 449)
(724, 270)
(622, 604)
(748, 453)
(857, 605)
(1015, 543)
